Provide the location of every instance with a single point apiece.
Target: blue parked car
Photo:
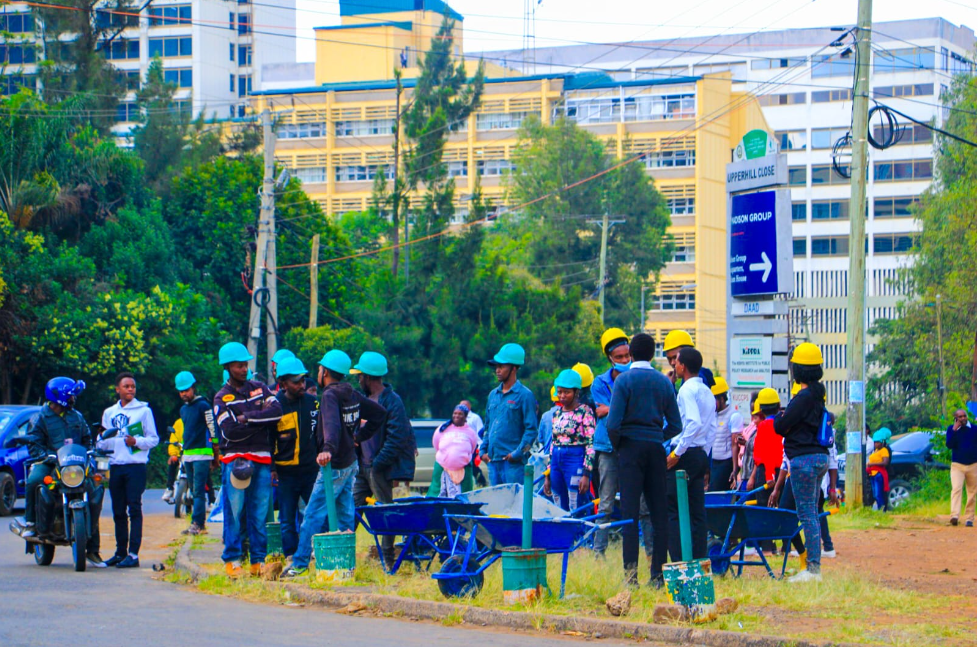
(14, 420)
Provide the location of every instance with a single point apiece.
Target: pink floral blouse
(575, 427)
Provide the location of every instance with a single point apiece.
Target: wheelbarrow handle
(584, 507)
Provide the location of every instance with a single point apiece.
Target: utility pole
(642, 308)
(265, 288)
(940, 355)
(314, 283)
(856, 333)
(395, 219)
(606, 224)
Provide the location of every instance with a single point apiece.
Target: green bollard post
(682, 499)
(527, 507)
(330, 498)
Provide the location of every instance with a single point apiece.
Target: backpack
(826, 435)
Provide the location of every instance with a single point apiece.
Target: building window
(12, 83)
(361, 173)
(313, 175)
(789, 99)
(830, 246)
(17, 23)
(365, 127)
(901, 60)
(893, 243)
(499, 120)
(791, 140)
(244, 85)
(825, 96)
(903, 171)
(961, 65)
(737, 69)
(231, 50)
(231, 83)
(912, 90)
(833, 65)
(127, 111)
(182, 78)
(799, 246)
(20, 54)
(825, 174)
(301, 131)
(799, 211)
(244, 24)
(797, 175)
(826, 137)
(907, 133)
(121, 49)
(458, 168)
(830, 210)
(494, 167)
(670, 159)
(893, 207)
(171, 47)
(682, 206)
(593, 110)
(169, 15)
(776, 63)
(674, 296)
(683, 254)
(133, 80)
(244, 55)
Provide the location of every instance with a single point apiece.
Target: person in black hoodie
(808, 459)
(346, 418)
(199, 439)
(296, 447)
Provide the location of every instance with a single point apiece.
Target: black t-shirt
(799, 424)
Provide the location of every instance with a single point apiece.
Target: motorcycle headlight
(73, 476)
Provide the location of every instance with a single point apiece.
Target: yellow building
(337, 135)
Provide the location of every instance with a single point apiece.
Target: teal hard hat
(509, 354)
(291, 366)
(372, 364)
(882, 435)
(338, 361)
(233, 352)
(184, 380)
(568, 379)
(281, 355)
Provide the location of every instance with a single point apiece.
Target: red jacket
(768, 448)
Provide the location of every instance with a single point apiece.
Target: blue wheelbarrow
(420, 521)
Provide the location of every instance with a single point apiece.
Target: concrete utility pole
(314, 283)
(940, 355)
(265, 257)
(856, 333)
(606, 225)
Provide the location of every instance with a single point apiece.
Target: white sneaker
(793, 553)
(750, 552)
(829, 553)
(805, 576)
(168, 496)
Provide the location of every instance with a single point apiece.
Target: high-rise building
(213, 50)
(804, 85)
(335, 133)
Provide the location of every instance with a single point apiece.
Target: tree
(554, 161)
(905, 389)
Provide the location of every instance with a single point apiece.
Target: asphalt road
(54, 605)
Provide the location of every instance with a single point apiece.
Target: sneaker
(954, 522)
(805, 576)
(168, 496)
(256, 570)
(129, 561)
(829, 554)
(115, 559)
(194, 529)
(793, 553)
(969, 523)
(657, 581)
(233, 570)
(95, 560)
(293, 571)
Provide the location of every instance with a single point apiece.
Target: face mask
(621, 368)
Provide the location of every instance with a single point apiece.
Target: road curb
(518, 620)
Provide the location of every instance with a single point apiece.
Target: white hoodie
(121, 418)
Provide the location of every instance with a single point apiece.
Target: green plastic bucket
(273, 531)
(524, 575)
(336, 556)
(691, 585)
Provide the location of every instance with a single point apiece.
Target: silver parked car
(424, 429)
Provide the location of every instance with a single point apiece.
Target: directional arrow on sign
(765, 267)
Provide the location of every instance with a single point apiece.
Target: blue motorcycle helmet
(62, 390)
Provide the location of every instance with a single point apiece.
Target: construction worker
(587, 380)
(725, 448)
(511, 419)
(675, 341)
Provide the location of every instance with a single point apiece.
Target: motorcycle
(79, 478)
(183, 497)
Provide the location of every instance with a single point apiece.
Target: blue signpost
(760, 252)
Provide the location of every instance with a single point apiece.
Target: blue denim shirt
(601, 392)
(511, 422)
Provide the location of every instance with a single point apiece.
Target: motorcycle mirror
(109, 433)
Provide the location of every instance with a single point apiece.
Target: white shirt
(697, 408)
(473, 420)
(729, 422)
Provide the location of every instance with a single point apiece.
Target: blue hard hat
(233, 352)
(61, 390)
(184, 380)
(509, 354)
(281, 355)
(291, 366)
(882, 435)
(568, 379)
(371, 363)
(337, 361)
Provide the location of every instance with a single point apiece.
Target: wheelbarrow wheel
(719, 565)
(461, 585)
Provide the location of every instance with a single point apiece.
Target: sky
(499, 24)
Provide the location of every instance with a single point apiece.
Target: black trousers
(720, 471)
(126, 486)
(371, 483)
(696, 464)
(642, 470)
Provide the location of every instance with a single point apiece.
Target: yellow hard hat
(612, 335)
(676, 339)
(587, 375)
(795, 389)
(719, 386)
(553, 394)
(807, 354)
(757, 408)
(767, 397)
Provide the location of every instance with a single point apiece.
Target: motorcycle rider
(57, 424)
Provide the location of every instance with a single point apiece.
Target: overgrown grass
(932, 492)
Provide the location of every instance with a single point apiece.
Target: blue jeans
(879, 494)
(606, 468)
(197, 472)
(314, 520)
(807, 471)
(503, 472)
(293, 486)
(566, 469)
(245, 511)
